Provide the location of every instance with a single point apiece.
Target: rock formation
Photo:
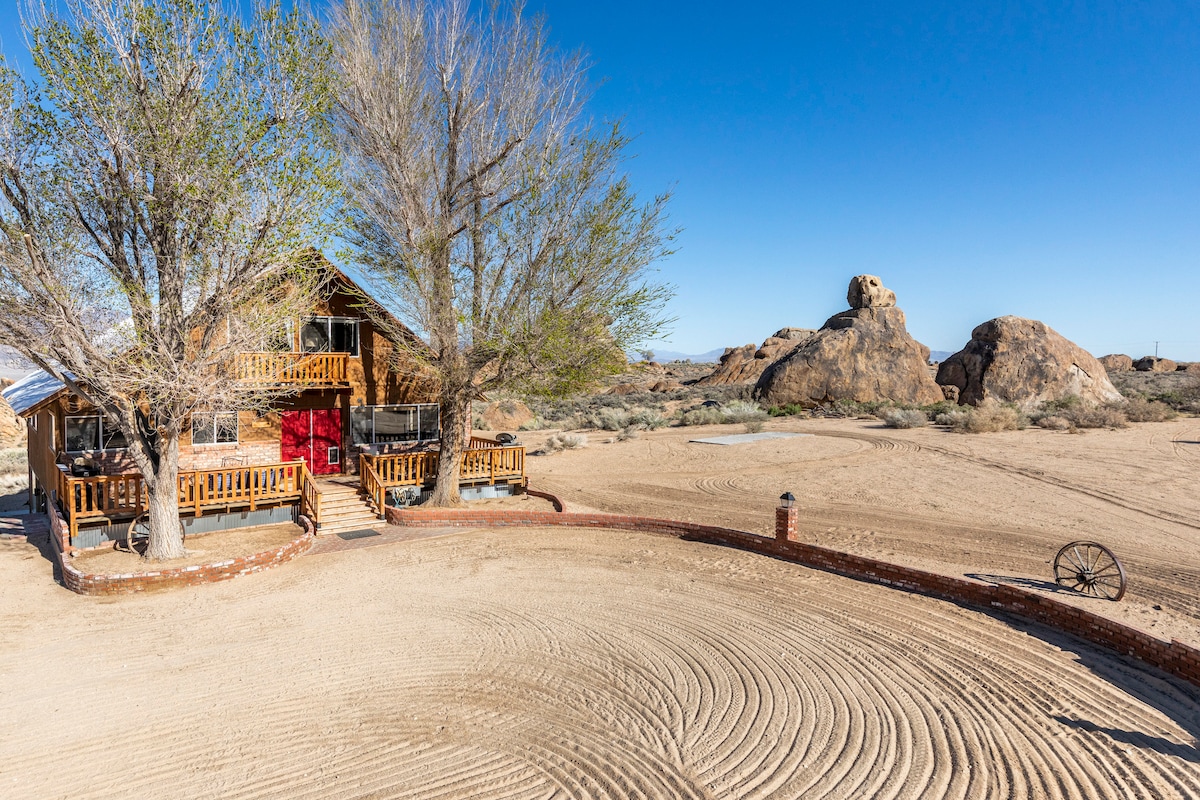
(745, 364)
(506, 415)
(1024, 361)
(864, 354)
(1154, 364)
(1116, 362)
(867, 291)
(12, 427)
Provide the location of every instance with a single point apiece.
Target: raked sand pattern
(562, 663)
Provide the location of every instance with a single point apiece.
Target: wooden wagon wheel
(1090, 568)
(137, 535)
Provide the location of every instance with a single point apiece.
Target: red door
(313, 436)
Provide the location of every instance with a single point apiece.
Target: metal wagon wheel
(1090, 568)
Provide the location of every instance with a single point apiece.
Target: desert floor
(544, 663)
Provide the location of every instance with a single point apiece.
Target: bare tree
(158, 188)
(498, 217)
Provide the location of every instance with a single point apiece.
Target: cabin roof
(27, 394)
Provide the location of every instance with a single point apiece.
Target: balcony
(292, 369)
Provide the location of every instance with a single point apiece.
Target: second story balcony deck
(293, 369)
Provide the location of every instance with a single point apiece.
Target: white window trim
(100, 429)
(417, 406)
(328, 320)
(214, 443)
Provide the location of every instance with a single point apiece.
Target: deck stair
(344, 507)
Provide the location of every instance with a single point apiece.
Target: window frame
(329, 320)
(99, 434)
(237, 428)
(396, 407)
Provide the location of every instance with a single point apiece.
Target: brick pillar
(785, 524)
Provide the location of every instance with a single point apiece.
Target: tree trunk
(450, 459)
(166, 534)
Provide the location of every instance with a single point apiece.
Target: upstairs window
(329, 335)
(215, 427)
(92, 433)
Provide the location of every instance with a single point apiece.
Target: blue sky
(982, 158)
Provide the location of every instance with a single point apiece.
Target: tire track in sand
(581, 664)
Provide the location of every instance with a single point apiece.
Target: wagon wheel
(137, 535)
(1090, 568)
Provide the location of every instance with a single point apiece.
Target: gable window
(386, 424)
(215, 427)
(329, 335)
(91, 432)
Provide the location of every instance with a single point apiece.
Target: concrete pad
(745, 438)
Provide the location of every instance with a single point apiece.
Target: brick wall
(213, 456)
(1173, 657)
(91, 584)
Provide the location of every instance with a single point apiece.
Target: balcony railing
(292, 369)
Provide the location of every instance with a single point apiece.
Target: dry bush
(951, 418)
(1096, 417)
(628, 433)
(905, 418)
(14, 462)
(1139, 409)
(741, 411)
(702, 416)
(991, 417)
(1055, 423)
(754, 426)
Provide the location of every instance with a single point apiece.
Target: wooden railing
(479, 443)
(115, 497)
(287, 369)
(490, 465)
(310, 498)
(371, 482)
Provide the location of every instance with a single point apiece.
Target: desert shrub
(609, 419)
(1139, 409)
(788, 410)
(850, 409)
(561, 441)
(1068, 402)
(14, 462)
(952, 418)
(1096, 417)
(905, 418)
(647, 419)
(625, 434)
(991, 417)
(741, 411)
(933, 410)
(1054, 422)
(702, 416)
(753, 425)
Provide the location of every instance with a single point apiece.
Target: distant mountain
(938, 356)
(710, 357)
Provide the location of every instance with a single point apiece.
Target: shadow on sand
(1032, 584)
(1175, 698)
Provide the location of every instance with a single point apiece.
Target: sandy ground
(547, 663)
(561, 663)
(997, 506)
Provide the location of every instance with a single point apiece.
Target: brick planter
(1173, 657)
(91, 584)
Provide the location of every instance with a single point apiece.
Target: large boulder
(746, 363)
(864, 354)
(1116, 362)
(505, 415)
(1154, 364)
(12, 427)
(1023, 361)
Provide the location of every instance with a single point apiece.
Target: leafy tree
(498, 219)
(158, 186)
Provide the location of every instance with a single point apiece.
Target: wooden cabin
(344, 409)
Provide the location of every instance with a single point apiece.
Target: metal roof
(31, 391)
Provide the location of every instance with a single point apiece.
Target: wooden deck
(484, 463)
(113, 498)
